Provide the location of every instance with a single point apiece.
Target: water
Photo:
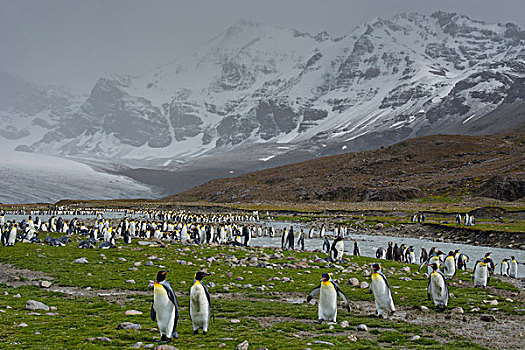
(368, 245)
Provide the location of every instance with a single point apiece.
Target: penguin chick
(200, 304)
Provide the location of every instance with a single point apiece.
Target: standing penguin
(328, 292)
(437, 288)
(513, 271)
(423, 256)
(322, 232)
(390, 252)
(481, 273)
(165, 308)
(382, 292)
(11, 237)
(356, 249)
(284, 239)
(200, 304)
(462, 261)
(337, 250)
(381, 253)
(311, 232)
(300, 240)
(449, 267)
(326, 245)
(504, 267)
(291, 238)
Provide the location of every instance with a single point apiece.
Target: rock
(345, 324)
(491, 302)
(22, 325)
(415, 337)
(240, 278)
(322, 342)
(405, 269)
(488, 318)
(104, 339)
(132, 312)
(45, 284)
(352, 338)
(363, 285)
(366, 273)
(129, 325)
(36, 305)
(130, 281)
(137, 264)
(422, 308)
(458, 310)
(17, 296)
(405, 278)
(222, 345)
(210, 285)
(51, 313)
(353, 281)
(243, 346)
(137, 345)
(362, 327)
(234, 320)
(148, 263)
(122, 259)
(475, 309)
(81, 261)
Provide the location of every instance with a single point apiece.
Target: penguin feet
(319, 321)
(196, 331)
(163, 339)
(204, 332)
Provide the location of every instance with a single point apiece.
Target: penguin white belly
(513, 272)
(438, 289)
(199, 308)
(383, 298)
(165, 310)
(504, 268)
(450, 268)
(327, 302)
(412, 258)
(12, 236)
(480, 276)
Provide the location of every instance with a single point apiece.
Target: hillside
(440, 165)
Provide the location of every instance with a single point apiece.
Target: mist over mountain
(257, 96)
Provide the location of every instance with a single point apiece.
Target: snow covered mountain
(267, 95)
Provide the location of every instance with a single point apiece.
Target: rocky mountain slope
(255, 85)
(440, 165)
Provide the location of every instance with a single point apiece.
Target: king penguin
(382, 292)
(328, 292)
(449, 267)
(337, 250)
(513, 271)
(165, 308)
(437, 288)
(200, 304)
(504, 267)
(481, 273)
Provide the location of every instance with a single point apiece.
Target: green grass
(269, 318)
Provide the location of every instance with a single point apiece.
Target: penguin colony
(238, 230)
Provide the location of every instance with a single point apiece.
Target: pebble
(137, 264)
(352, 338)
(222, 345)
(51, 313)
(243, 346)
(148, 263)
(363, 285)
(137, 345)
(17, 296)
(422, 308)
(132, 312)
(475, 309)
(22, 325)
(345, 324)
(211, 285)
(362, 327)
(81, 261)
(36, 305)
(488, 318)
(45, 284)
(234, 320)
(415, 337)
(104, 339)
(129, 325)
(122, 259)
(353, 281)
(130, 281)
(458, 310)
(322, 342)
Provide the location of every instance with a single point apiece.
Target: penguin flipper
(428, 288)
(313, 293)
(210, 308)
(153, 314)
(342, 295)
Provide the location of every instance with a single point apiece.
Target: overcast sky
(73, 42)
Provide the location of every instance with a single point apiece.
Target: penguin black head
(451, 253)
(325, 277)
(200, 275)
(487, 255)
(376, 267)
(512, 258)
(161, 275)
(434, 266)
(486, 259)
